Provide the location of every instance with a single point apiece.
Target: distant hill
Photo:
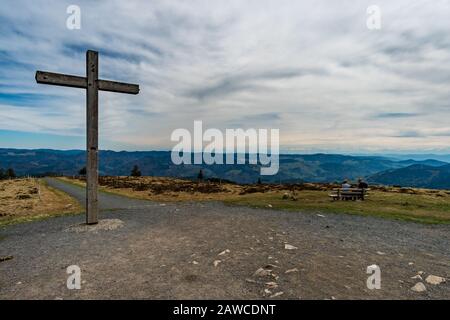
(416, 175)
(428, 162)
(293, 167)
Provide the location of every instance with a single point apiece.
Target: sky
(312, 69)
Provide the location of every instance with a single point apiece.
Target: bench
(348, 194)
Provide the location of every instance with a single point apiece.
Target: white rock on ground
(102, 225)
(291, 270)
(216, 262)
(224, 252)
(277, 294)
(272, 285)
(419, 287)
(289, 247)
(431, 279)
(261, 272)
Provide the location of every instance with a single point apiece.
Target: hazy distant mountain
(419, 157)
(416, 175)
(427, 162)
(293, 168)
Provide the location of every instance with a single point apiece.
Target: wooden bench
(348, 194)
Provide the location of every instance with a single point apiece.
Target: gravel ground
(211, 251)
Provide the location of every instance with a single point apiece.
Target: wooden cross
(92, 84)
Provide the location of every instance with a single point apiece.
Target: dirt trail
(211, 251)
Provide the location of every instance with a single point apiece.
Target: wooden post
(92, 137)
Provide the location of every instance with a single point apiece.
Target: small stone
(421, 272)
(224, 252)
(291, 270)
(277, 294)
(216, 262)
(250, 280)
(321, 215)
(262, 272)
(381, 253)
(6, 258)
(333, 298)
(289, 247)
(419, 287)
(269, 205)
(194, 262)
(417, 277)
(272, 285)
(431, 279)
(410, 263)
(267, 291)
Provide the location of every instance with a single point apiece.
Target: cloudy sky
(309, 68)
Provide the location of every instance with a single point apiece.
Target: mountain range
(294, 168)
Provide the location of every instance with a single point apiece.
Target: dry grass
(163, 189)
(419, 205)
(30, 199)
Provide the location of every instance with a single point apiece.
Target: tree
(82, 171)
(10, 174)
(200, 175)
(2, 174)
(259, 181)
(135, 172)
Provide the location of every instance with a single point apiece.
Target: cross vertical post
(92, 137)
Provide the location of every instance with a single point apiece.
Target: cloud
(395, 115)
(409, 134)
(311, 69)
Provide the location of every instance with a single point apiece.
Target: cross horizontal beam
(65, 80)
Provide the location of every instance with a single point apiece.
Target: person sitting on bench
(362, 185)
(346, 186)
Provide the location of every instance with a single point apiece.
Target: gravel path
(172, 251)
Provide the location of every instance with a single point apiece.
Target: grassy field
(31, 199)
(418, 205)
(422, 208)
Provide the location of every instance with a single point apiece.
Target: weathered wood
(92, 137)
(59, 79)
(120, 87)
(92, 84)
(65, 80)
